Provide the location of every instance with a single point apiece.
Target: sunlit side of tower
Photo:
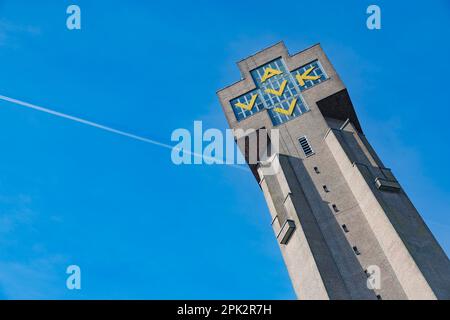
(337, 212)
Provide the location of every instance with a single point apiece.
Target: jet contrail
(86, 122)
(106, 128)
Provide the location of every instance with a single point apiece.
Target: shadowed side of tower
(337, 212)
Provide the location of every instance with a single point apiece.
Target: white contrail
(106, 128)
(86, 122)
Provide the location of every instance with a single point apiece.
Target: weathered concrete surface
(383, 224)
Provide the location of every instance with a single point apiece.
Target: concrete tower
(341, 218)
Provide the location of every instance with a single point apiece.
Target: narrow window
(316, 170)
(344, 227)
(325, 188)
(356, 251)
(335, 208)
(306, 147)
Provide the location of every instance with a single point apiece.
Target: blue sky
(137, 225)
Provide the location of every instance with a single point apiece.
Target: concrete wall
(384, 226)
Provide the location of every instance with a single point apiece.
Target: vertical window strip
(306, 147)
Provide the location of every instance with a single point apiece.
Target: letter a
(74, 280)
(181, 153)
(74, 20)
(374, 20)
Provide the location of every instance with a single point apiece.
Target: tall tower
(340, 216)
